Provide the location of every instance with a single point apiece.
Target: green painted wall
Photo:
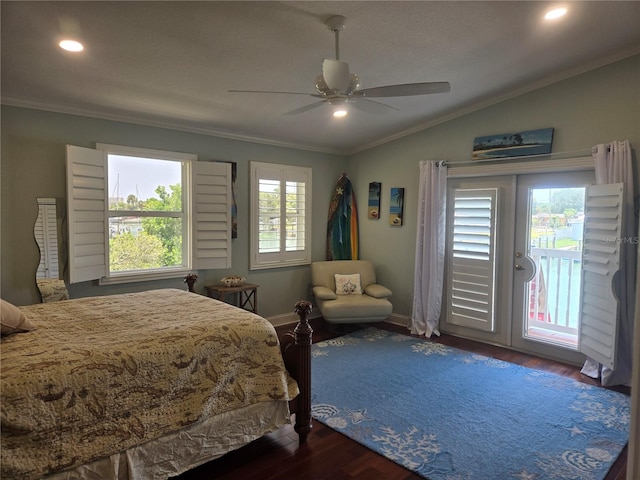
(596, 107)
(33, 165)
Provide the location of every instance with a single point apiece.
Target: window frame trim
(186, 214)
(286, 173)
(210, 184)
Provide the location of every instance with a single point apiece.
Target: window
(138, 214)
(281, 215)
(147, 213)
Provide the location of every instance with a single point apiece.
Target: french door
(515, 271)
(547, 263)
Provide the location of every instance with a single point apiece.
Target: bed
(145, 385)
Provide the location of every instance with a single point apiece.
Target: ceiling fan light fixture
(555, 13)
(71, 45)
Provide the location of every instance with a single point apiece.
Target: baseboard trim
(401, 320)
(289, 318)
(292, 319)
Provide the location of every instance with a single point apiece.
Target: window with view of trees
(146, 214)
(138, 214)
(281, 219)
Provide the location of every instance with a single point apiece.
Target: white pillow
(13, 320)
(348, 284)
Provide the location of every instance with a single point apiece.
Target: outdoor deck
(554, 295)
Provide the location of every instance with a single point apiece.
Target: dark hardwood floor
(328, 454)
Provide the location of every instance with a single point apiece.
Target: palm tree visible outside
(397, 204)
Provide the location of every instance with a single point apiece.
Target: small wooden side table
(246, 295)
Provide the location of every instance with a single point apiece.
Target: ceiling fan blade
(336, 75)
(306, 108)
(371, 106)
(404, 90)
(281, 93)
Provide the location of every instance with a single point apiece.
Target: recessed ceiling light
(71, 46)
(340, 113)
(555, 13)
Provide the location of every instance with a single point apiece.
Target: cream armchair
(348, 305)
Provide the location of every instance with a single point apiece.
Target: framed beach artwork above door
(506, 145)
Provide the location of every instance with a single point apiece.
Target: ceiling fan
(337, 86)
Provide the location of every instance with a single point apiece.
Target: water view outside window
(295, 216)
(555, 245)
(270, 202)
(269, 218)
(146, 215)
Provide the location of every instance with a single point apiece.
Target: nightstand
(245, 295)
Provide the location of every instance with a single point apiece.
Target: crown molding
(67, 110)
(440, 119)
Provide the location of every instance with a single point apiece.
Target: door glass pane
(556, 220)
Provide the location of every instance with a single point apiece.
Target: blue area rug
(448, 414)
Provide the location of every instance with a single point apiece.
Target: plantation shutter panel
(471, 240)
(46, 233)
(600, 261)
(266, 193)
(295, 206)
(86, 207)
(281, 196)
(211, 215)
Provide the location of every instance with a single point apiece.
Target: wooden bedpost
(303, 340)
(296, 351)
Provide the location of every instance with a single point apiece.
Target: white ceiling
(172, 63)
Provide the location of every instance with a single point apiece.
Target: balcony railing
(554, 296)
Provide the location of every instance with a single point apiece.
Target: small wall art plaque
(373, 206)
(396, 206)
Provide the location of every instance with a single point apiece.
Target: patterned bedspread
(102, 374)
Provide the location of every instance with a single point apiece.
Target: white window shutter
(296, 206)
(600, 261)
(86, 204)
(211, 215)
(46, 233)
(39, 233)
(266, 217)
(471, 240)
(280, 215)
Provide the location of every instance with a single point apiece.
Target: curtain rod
(546, 156)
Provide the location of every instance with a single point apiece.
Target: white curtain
(614, 165)
(430, 248)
